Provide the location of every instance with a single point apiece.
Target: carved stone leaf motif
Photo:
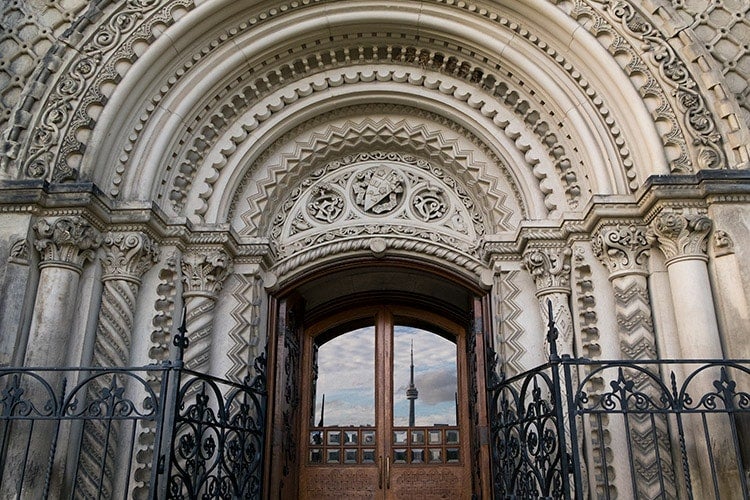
(622, 248)
(205, 272)
(682, 233)
(128, 255)
(71, 240)
(550, 267)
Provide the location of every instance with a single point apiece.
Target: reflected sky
(346, 377)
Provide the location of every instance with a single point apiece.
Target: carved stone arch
(491, 20)
(280, 169)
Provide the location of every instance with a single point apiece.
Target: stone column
(624, 251)
(682, 237)
(550, 267)
(127, 256)
(203, 275)
(65, 244)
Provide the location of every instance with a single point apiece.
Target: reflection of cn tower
(411, 391)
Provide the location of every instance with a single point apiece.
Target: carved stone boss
(550, 268)
(203, 275)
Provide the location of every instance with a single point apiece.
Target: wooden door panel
(429, 483)
(336, 483)
(429, 460)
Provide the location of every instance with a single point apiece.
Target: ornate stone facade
(217, 156)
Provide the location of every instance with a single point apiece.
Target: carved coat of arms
(378, 190)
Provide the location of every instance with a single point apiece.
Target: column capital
(127, 255)
(204, 272)
(66, 242)
(622, 248)
(682, 233)
(549, 266)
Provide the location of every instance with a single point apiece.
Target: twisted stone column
(682, 235)
(550, 268)
(65, 245)
(624, 251)
(203, 275)
(127, 256)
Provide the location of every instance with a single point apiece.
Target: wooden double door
(384, 405)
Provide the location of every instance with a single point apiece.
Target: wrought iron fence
(577, 428)
(156, 431)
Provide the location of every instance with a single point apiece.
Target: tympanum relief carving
(378, 194)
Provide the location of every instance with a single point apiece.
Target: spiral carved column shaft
(203, 275)
(623, 249)
(127, 256)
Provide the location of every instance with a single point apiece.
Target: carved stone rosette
(203, 275)
(624, 251)
(66, 242)
(127, 256)
(550, 268)
(682, 234)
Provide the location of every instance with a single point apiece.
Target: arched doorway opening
(347, 331)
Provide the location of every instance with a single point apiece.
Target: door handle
(388, 472)
(380, 472)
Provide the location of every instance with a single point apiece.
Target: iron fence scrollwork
(620, 410)
(207, 434)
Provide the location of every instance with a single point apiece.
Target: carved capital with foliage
(550, 268)
(682, 233)
(127, 255)
(66, 242)
(622, 248)
(204, 272)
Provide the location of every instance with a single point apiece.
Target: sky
(347, 369)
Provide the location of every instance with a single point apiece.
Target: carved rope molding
(298, 157)
(337, 201)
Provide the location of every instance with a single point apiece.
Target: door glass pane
(346, 379)
(432, 389)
